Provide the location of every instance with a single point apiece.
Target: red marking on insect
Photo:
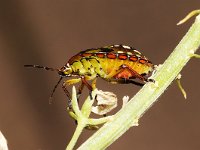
(86, 54)
(111, 55)
(122, 56)
(100, 55)
(142, 61)
(133, 58)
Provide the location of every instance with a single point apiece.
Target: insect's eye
(61, 73)
(65, 71)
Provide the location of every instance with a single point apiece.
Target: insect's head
(65, 71)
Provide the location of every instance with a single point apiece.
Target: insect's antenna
(54, 89)
(41, 67)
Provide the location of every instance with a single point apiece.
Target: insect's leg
(121, 69)
(133, 72)
(72, 81)
(64, 86)
(137, 75)
(126, 81)
(94, 82)
(80, 89)
(84, 81)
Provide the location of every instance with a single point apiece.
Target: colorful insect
(115, 64)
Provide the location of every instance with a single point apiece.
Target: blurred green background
(49, 32)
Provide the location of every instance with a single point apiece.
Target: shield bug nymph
(115, 64)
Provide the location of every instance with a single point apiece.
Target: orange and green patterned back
(106, 62)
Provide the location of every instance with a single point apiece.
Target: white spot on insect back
(127, 47)
(116, 45)
(120, 52)
(137, 52)
(129, 53)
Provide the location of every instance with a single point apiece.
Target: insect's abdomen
(113, 66)
(106, 62)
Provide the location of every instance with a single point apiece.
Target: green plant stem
(79, 129)
(143, 100)
(82, 117)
